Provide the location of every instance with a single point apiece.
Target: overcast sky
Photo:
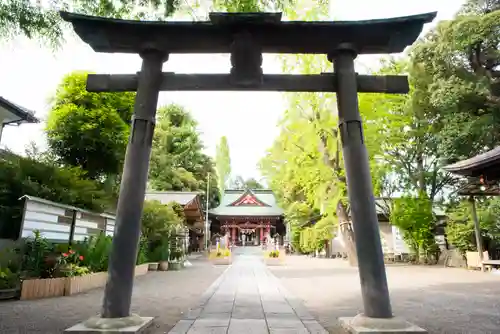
(30, 74)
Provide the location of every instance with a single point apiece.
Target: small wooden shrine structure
(248, 217)
(482, 173)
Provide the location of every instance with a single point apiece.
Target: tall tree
(459, 79)
(177, 160)
(89, 130)
(409, 132)
(223, 163)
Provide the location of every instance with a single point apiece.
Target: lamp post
(206, 213)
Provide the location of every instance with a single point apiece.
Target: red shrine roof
(249, 203)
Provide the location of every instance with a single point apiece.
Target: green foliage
(460, 224)
(303, 167)
(252, 183)
(252, 5)
(21, 17)
(95, 251)
(159, 221)
(41, 20)
(36, 260)
(177, 160)
(142, 254)
(239, 183)
(89, 130)
(21, 176)
(459, 81)
(223, 164)
(159, 225)
(8, 279)
(416, 220)
(273, 254)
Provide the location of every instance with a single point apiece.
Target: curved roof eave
(476, 164)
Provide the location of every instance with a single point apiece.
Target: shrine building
(248, 217)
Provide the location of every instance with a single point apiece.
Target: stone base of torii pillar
(364, 325)
(132, 324)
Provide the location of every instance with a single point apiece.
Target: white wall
(53, 220)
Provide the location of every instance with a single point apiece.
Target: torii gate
(246, 36)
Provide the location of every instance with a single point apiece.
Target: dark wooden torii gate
(246, 36)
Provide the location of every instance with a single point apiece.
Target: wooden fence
(62, 223)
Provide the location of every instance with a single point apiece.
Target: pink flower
(65, 254)
(81, 258)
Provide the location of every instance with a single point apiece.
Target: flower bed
(43, 288)
(80, 284)
(68, 286)
(53, 272)
(220, 257)
(274, 258)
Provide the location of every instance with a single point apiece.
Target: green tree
(252, 183)
(409, 160)
(89, 130)
(41, 20)
(159, 221)
(414, 216)
(177, 159)
(223, 163)
(460, 226)
(21, 176)
(459, 79)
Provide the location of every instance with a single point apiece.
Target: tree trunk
(347, 234)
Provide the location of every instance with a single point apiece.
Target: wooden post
(123, 256)
(72, 228)
(374, 289)
(477, 230)
(105, 226)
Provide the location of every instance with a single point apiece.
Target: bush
(95, 252)
(159, 221)
(460, 226)
(38, 258)
(8, 279)
(21, 176)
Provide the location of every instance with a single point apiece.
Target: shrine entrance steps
(248, 298)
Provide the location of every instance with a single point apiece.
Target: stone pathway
(248, 298)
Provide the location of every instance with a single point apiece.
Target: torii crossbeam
(246, 36)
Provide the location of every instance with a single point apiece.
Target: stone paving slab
(248, 299)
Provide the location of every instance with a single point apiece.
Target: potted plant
(273, 258)
(221, 256)
(9, 282)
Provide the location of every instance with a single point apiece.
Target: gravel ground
(441, 300)
(165, 295)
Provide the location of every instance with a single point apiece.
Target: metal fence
(62, 223)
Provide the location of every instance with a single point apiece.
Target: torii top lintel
(268, 32)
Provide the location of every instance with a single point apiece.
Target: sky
(31, 73)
